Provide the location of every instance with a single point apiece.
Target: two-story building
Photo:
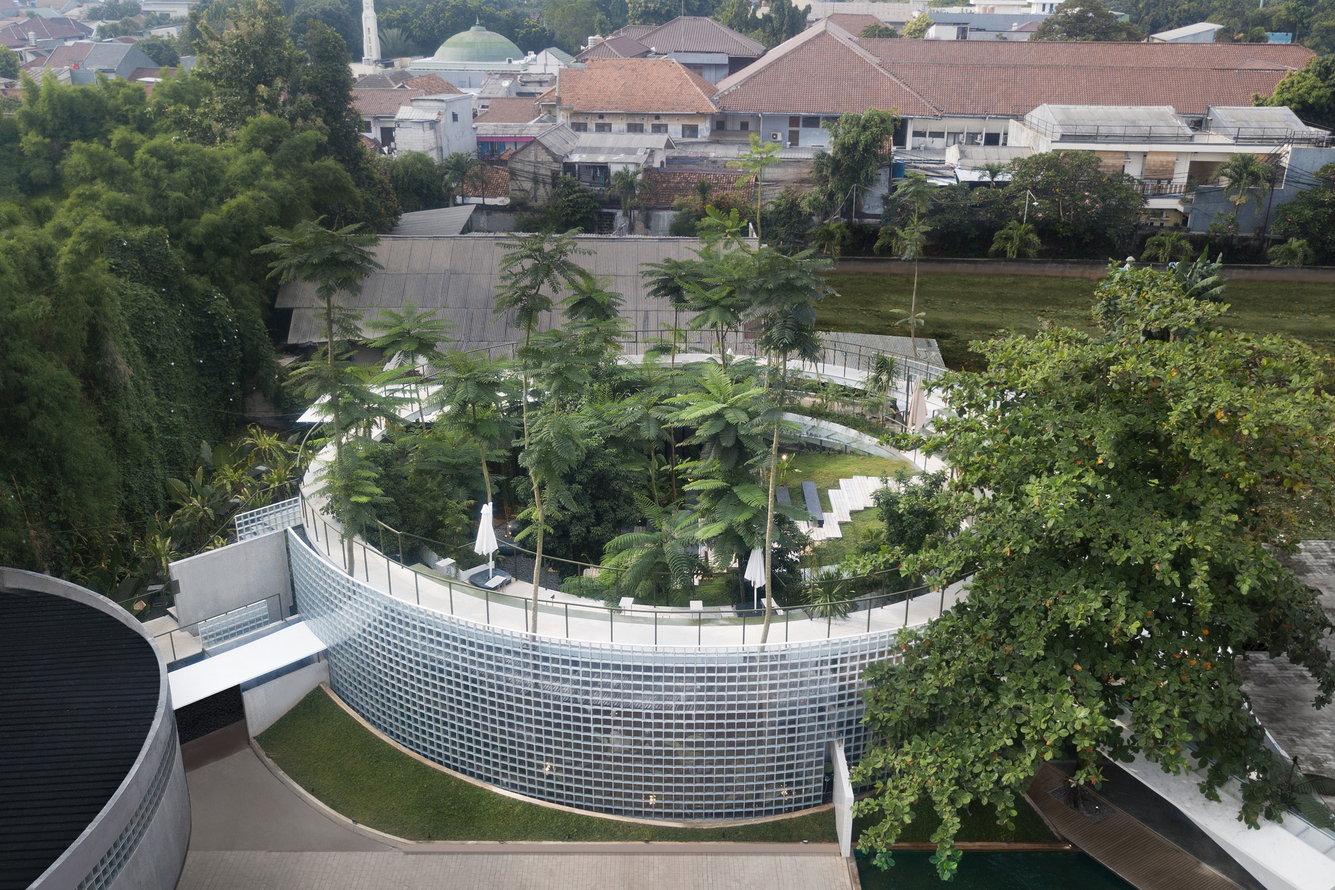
(633, 96)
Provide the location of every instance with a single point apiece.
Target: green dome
(477, 44)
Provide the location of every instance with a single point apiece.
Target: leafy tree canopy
(1310, 93)
(1311, 216)
(859, 144)
(1086, 20)
(1119, 566)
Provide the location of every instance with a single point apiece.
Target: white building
(437, 126)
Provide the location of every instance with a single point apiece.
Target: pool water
(994, 871)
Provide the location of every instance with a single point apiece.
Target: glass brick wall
(683, 733)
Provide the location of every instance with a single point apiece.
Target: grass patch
(349, 769)
(962, 308)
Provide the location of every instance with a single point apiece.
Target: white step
(839, 505)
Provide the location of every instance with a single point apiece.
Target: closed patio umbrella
(486, 540)
(917, 418)
(755, 573)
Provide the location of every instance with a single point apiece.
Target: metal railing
(181, 642)
(1152, 188)
(658, 625)
(262, 521)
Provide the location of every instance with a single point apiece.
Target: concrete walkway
(251, 832)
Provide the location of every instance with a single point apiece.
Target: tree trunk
(482, 453)
(769, 517)
(537, 560)
(913, 311)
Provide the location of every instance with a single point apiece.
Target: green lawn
(961, 308)
(354, 772)
(826, 469)
(348, 768)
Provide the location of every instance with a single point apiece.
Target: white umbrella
(917, 418)
(755, 573)
(486, 539)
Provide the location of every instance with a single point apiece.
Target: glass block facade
(681, 733)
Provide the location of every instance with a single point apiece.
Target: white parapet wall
(230, 577)
(843, 798)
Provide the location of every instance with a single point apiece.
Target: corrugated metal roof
(428, 223)
(458, 278)
(415, 113)
(80, 695)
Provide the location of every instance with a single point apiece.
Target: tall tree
(859, 145)
(1247, 178)
(1086, 20)
(472, 391)
(916, 28)
(1122, 565)
(759, 156)
(632, 188)
(1309, 93)
(336, 262)
(909, 239)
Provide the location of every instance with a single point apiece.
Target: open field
(961, 308)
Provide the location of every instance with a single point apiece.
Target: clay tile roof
(853, 23)
(509, 111)
(668, 186)
(634, 85)
(383, 80)
(433, 85)
(698, 34)
(54, 28)
(65, 56)
(823, 70)
(383, 103)
(495, 183)
(615, 47)
(1013, 77)
(634, 32)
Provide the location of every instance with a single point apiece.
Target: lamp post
(1027, 196)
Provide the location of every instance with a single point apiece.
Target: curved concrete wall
(139, 838)
(677, 733)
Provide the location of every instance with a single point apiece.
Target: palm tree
(336, 262)
(1015, 239)
(1294, 252)
(394, 44)
(754, 161)
(558, 441)
(457, 170)
(831, 237)
(782, 291)
(993, 169)
(909, 239)
(1166, 247)
(414, 339)
(1248, 177)
(884, 370)
(660, 561)
(472, 391)
(631, 186)
(534, 269)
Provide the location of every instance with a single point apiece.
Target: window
(720, 125)
(602, 128)
(811, 123)
(634, 128)
(580, 127)
(919, 134)
(936, 134)
(991, 138)
(658, 128)
(744, 126)
(827, 121)
(454, 116)
(690, 131)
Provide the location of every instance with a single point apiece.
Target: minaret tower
(370, 34)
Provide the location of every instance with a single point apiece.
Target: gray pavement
(250, 831)
(236, 804)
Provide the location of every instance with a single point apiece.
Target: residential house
(535, 165)
(704, 46)
(633, 96)
(966, 92)
(1170, 154)
(80, 63)
(597, 157)
(380, 108)
(401, 79)
(438, 126)
(48, 32)
(379, 98)
(549, 61)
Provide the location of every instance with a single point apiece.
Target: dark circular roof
(78, 694)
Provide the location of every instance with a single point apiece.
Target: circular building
(477, 45)
(94, 793)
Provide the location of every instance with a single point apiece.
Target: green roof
(477, 44)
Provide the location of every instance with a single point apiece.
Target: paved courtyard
(251, 832)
